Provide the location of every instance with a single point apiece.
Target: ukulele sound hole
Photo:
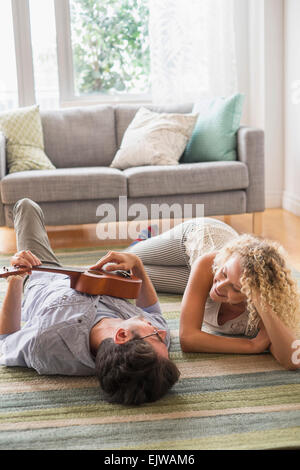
(119, 272)
(123, 273)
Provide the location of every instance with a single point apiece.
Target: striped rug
(220, 402)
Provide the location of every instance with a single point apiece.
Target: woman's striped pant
(165, 259)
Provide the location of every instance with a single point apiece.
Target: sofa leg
(257, 223)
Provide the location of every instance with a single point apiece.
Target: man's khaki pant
(31, 232)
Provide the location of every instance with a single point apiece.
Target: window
(110, 48)
(65, 51)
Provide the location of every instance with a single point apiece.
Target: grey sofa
(81, 143)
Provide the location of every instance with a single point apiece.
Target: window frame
(64, 50)
(25, 66)
(23, 52)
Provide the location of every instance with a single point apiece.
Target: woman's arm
(281, 337)
(130, 261)
(192, 339)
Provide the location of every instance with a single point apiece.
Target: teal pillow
(214, 134)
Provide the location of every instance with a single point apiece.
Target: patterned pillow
(154, 139)
(24, 140)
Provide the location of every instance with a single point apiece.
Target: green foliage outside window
(110, 46)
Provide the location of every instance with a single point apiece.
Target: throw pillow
(214, 135)
(24, 140)
(154, 139)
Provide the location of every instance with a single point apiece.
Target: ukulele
(89, 281)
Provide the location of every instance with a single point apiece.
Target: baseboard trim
(273, 199)
(291, 202)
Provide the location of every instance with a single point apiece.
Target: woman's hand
(24, 258)
(262, 341)
(119, 260)
(281, 336)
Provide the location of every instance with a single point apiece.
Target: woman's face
(226, 286)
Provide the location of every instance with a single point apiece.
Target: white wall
(291, 195)
(274, 102)
(260, 58)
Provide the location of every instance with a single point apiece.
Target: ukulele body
(103, 283)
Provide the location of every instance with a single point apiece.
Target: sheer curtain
(192, 46)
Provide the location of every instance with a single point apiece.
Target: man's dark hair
(133, 373)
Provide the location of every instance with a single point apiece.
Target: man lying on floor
(70, 333)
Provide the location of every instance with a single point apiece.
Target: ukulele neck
(73, 273)
(57, 269)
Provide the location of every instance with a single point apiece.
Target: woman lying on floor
(236, 285)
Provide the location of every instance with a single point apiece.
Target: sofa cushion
(214, 135)
(125, 114)
(24, 140)
(85, 212)
(64, 184)
(189, 178)
(80, 137)
(154, 139)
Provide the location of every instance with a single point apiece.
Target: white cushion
(154, 139)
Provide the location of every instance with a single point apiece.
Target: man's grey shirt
(55, 336)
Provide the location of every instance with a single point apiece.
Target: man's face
(143, 327)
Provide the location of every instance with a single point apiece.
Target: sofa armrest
(250, 150)
(2, 173)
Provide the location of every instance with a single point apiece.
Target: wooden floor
(277, 224)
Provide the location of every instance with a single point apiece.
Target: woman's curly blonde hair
(264, 270)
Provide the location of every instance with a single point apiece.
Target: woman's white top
(204, 235)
